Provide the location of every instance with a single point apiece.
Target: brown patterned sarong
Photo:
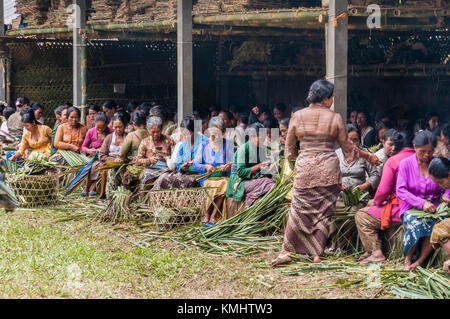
(309, 220)
(368, 228)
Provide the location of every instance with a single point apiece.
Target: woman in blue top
(182, 174)
(215, 156)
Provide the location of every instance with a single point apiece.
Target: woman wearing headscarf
(317, 180)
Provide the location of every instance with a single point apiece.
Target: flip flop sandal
(83, 194)
(92, 194)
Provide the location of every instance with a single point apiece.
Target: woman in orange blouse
(35, 138)
(70, 136)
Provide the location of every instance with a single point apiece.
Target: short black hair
(424, 138)
(285, 121)
(280, 106)
(110, 105)
(439, 167)
(8, 112)
(27, 116)
(270, 122)
(73, 109)
(139, 118)
(101, 117)
(95, 108)
(319, 91)
(187, 123)
(353, 128)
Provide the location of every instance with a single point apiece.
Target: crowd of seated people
(232, 150)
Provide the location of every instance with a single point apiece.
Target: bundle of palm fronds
(247, 233)
(442, 211)
(352, 197)
(424, 284)
(207, 174)
(74, 158)
(111, 165)
(118, 208)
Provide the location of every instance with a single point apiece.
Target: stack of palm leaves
(442, 211)
(74, 158)
(249, 232)
(111, 165)
(424, 284)
(119, 207)
(352, 197)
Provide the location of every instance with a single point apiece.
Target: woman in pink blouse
(385, 208)
(416, 189)
(91, 145)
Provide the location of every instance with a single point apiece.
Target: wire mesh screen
(119, 70)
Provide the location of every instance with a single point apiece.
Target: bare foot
(206, 219)
(364, 256)
(446, 266)
(413, 267)
(212, 220)
(373, 259)
(317, 259)
(407, 263)
(281, 259)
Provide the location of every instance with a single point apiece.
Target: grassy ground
(43, 258)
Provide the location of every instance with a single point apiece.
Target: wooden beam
(79, 51)
(336, 35)
(184, 59)
(2, 59)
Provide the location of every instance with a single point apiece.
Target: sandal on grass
(83, 194)
(92, 194)
(281, 260)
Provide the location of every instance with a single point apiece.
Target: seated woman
(386, 208)
(92, 113)
(35, 138)
(359, 174)
(284, 126)
(110, 152)
(246, 180)
(63, 119)
(417, 190)
(354, 174)
(215, 156)
(69, 136)
(130, 148)
(153, 152)
(387, 149)
(91, 145)
(368, 134)
(184, 153)
(439, 171)
(443, 144)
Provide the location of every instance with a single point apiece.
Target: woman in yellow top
(35, 138)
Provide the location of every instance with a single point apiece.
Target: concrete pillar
(336, 54)
(184, 59)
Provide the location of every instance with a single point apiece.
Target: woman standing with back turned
(317, 179)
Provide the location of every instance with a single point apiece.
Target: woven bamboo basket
(176, 208)
(34, 190)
